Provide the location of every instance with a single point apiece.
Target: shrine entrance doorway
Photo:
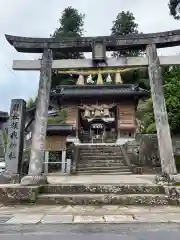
(97, 132)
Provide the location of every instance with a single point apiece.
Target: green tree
(174, 8)
(30, 102)
(71, 25)
(146, 115)
(138, 76)
(60, 118)
(125, 25)
(172, 97)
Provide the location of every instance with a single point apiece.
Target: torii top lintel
(84, 44)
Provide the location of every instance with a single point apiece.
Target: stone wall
(143, 151)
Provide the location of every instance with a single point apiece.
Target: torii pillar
(160, 113)
(35, 176)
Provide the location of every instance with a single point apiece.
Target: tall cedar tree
(71, 25)
(174, 8)
(125, 25)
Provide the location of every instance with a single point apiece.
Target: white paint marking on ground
(89, 219)
(118, 218)
(173, 217)
(25, 219)
(57, 219)
(149, 218)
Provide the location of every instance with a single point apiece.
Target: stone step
(100, 161)
(95, 188)
(101, 153)
(100, 150)
(103, 199)
(103, 173)
(99, 165)
(92, 146)
(101, 156)
(104, 169)
(104, 154)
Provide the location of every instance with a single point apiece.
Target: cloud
(40, 18)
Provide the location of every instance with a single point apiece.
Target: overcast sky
(39, 18)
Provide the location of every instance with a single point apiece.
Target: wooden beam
(129, 62)
(160, 112)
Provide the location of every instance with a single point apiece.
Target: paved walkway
(87, 214)
(106, 179)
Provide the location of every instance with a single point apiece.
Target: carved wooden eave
(103, 110)
(97, 107)
(84, 44)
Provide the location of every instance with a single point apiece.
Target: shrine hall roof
(62, 129)
(72, 93)
(3, 116)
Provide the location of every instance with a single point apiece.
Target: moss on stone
(17, 194)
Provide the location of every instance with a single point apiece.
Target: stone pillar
(77, 126)
(40, 126)
(68, 166)
(46, 165)
(2, 150)
(14, 151)
(160, 112)
(63, 161)
(118, 125)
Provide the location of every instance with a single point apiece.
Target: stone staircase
(101, 159)
(102, 194)
(89, 193)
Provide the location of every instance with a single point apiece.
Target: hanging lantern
(80, 80)
(109, 79)
(87, 114)
(97, 113)
(100, 79)
(118, 79)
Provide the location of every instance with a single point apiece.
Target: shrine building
(100, 115)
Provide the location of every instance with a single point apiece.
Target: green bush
(60, 118)
(177, 161)
(151, 128)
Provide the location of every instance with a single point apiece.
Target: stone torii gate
(98, 46)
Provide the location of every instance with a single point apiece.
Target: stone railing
(143, 151)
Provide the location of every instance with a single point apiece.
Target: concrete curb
(24, 219)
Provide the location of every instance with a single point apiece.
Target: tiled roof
(70, 92)
(3, 116)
